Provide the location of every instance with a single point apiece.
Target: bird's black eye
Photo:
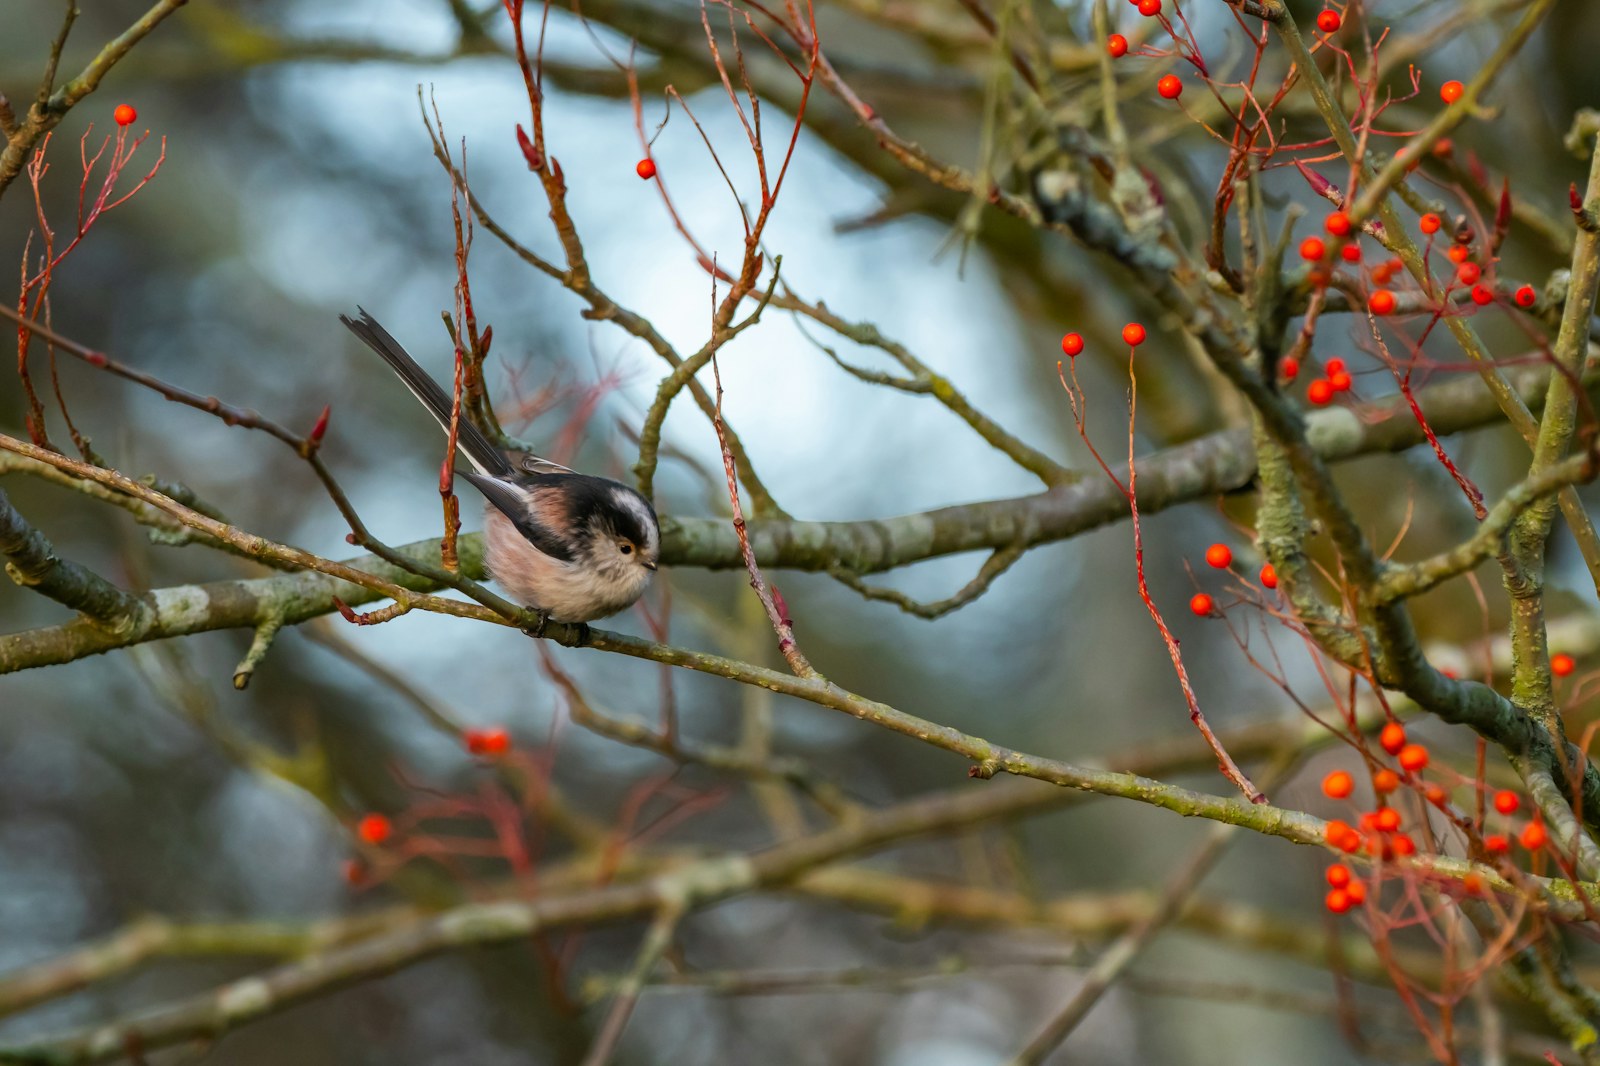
(627, 549)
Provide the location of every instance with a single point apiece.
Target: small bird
(574, 546)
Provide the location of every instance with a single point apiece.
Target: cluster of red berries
(1219, 557)
(1170, 87)
(1335, 379)
(1379, 832)
(1133, 335)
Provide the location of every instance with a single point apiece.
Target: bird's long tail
(474, 445)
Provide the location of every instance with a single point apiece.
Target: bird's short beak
(650, 566)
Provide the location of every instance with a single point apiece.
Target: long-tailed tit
(575, 546)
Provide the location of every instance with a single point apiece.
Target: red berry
(1404, 845)
(1328, 22)
(1350, 253)
(1133, 334)
(354, 872)
(1333, 366)
(1288, 368)
(1562, 664)
(1312, 249)
(646, 169)
(374, 828)
(1385, 782)
(1534, 837)
(1338, 900)
(1338, 785)
(1429, 223)
(1357, 891)
(1072, 344)
(1451, 91)
(1468, 274)
(1341, 381)
(1507, 802)
(1337, 224)
(1381, 302)
(1392, 738)
(1413, 757)
(1219, 556)
(1458, 253)
(1170, 86)
(1202, 604)
(1269, 576)
(1149, 8)
(1320, 392)
(488, 741)
(1436, 795)
(1338, 875)
(125, 115)
(1526, 297)
(1496, 844)
(1482, 295)
(1387, 820)
(1117, 45)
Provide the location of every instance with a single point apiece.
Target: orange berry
(1339, 875)
(1533, 836)
(1429, 223)
(1336, 832)
(1328, 21)
(1219, 556)
(1313, 249)
(1357, 891)
(1404, 845)
(1472, 884)
(1526, 297)
(1170, 87)
(1496, 844)
(1338, 900)
(1288, 368)
(1338, 785)
(1337, 224)
(1451, 91)
(1149, 8)
(1562, 664)
(1269, 576)
(646, 169)
(125, 115)
(1387, 820)
(1392, 738)
(374, 828)
(1413, 757)
(1381, 302)
(1436, 795)
(1072, 344)
(1117, 45)
(488, 741)
(1350, 253)
(1333, 366)
(1133, 334)
(1385, 782)
(1507, 802)
(1482, 295)
(1458, 253)
(1468, 273)
(1202, 604)
(1341, 381)
(1320, 392)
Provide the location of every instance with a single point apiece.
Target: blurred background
(299, 183)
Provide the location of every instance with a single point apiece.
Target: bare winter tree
(1280, 314)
